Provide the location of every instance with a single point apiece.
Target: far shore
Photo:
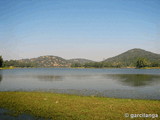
(3, 68)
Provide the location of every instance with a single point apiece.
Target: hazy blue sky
(93, 29)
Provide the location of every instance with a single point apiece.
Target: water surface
(118, 83)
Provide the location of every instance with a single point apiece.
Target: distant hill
(126, 59)
(130, 57)
(47, 61)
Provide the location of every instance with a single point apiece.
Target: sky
(91, 29)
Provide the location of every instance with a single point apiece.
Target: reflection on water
(135, 80)
(121, 83)
(0, 76)
(49, 78)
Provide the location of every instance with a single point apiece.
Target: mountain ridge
(51, 61)
(124, 59)
(129, 57)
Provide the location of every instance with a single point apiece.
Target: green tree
(142, 62)
(76, 65)
(155, 64)
(1, 61)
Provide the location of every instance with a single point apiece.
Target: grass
(72, 107)
(11, 67)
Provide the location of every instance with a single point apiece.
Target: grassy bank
(71, 107)
(7, 68)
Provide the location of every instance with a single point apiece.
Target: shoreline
(81, 68)
(64, 106)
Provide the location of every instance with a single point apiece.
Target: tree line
(14, 63)
(140, 63)
(143, 62)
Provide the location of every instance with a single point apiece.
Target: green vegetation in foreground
(71, 107)
(8, 67)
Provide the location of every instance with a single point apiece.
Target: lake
(117, 83)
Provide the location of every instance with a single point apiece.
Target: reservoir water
(117, 83)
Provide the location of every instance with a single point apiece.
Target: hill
(45, 61)
(42, 61)
(130, 57)
(126, 59)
